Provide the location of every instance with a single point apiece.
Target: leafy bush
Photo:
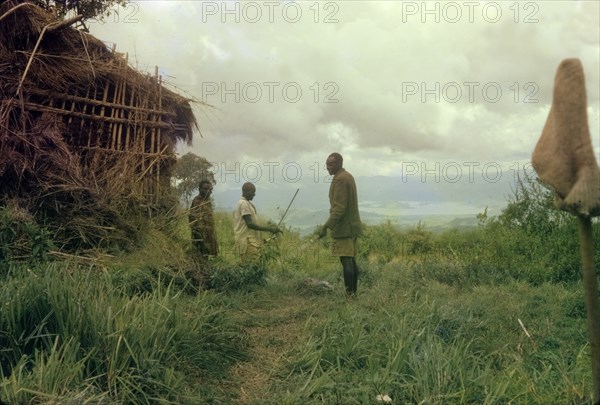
(21, 240)
(531, 208)
(383, 240)
(418, 240)
(231, 277)
(146, 278)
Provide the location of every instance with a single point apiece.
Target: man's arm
(256, 227)
(339, 202)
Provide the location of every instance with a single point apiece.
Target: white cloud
(400, 89)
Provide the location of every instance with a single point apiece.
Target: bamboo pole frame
(43, 108)
(93, 101)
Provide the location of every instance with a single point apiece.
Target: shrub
(21, 239)
(531, 208)
(231, 277)
(384, 240)
(418, 240)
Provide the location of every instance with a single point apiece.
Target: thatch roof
(80, 129)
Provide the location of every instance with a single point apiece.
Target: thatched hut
(80, 130)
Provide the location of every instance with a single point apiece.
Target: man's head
(248, 191)
(334, 163)
(205, 188)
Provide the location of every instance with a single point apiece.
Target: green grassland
(492, 315)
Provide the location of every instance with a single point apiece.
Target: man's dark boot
(355, 278)
(348, 269)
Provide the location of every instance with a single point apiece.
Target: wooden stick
(131, 111)
(63, 255)
(71, 110)
(142, 144)
(62, 107)
(40, 107)
(46, 55)
(95, 102)
(113, 113)
(47, 28)
(592, 306)
(37, 44)
(101, 117)
(84, 42)
(152, 180)
(116, 112)
(523, 327)
(65, 23)
(158, 135)
(156, 159)
(123, 105)
(15, 8)
(104, 98)
(123, 152)
(84, 111)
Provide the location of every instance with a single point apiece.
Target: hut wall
(73, 113)
(116, 123)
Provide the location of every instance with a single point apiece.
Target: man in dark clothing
(202, 223)
(344, 220)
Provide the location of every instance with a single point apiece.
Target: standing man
(344, 220)
(246, 227)
(202, 223)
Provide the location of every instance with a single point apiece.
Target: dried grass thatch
(83, 135)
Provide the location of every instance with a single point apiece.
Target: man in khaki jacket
(344, 220)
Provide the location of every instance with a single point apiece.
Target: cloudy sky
(437, 93)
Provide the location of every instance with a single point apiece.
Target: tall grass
(433, 343)
(73, 332)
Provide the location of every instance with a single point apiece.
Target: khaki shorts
(250, 253)
(345, 247)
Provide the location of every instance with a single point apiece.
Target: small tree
(189, 170)
(87, 8)
(530, 208)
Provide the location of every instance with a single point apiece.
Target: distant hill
(402, 201)
(305, 221)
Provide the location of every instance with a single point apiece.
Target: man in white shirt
(246, 226)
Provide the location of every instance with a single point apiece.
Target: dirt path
(274, 329)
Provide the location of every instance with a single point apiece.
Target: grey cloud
(368, 54)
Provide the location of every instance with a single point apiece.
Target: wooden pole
(103, 108)
(592, 305)
(114, 127)
(158, 135)
(152, 180)
(71, 112)
(141, 142)
(121, 112)
(97, 103)
(131, 122)
(84, 111)
(104, 98)
(41, 107)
